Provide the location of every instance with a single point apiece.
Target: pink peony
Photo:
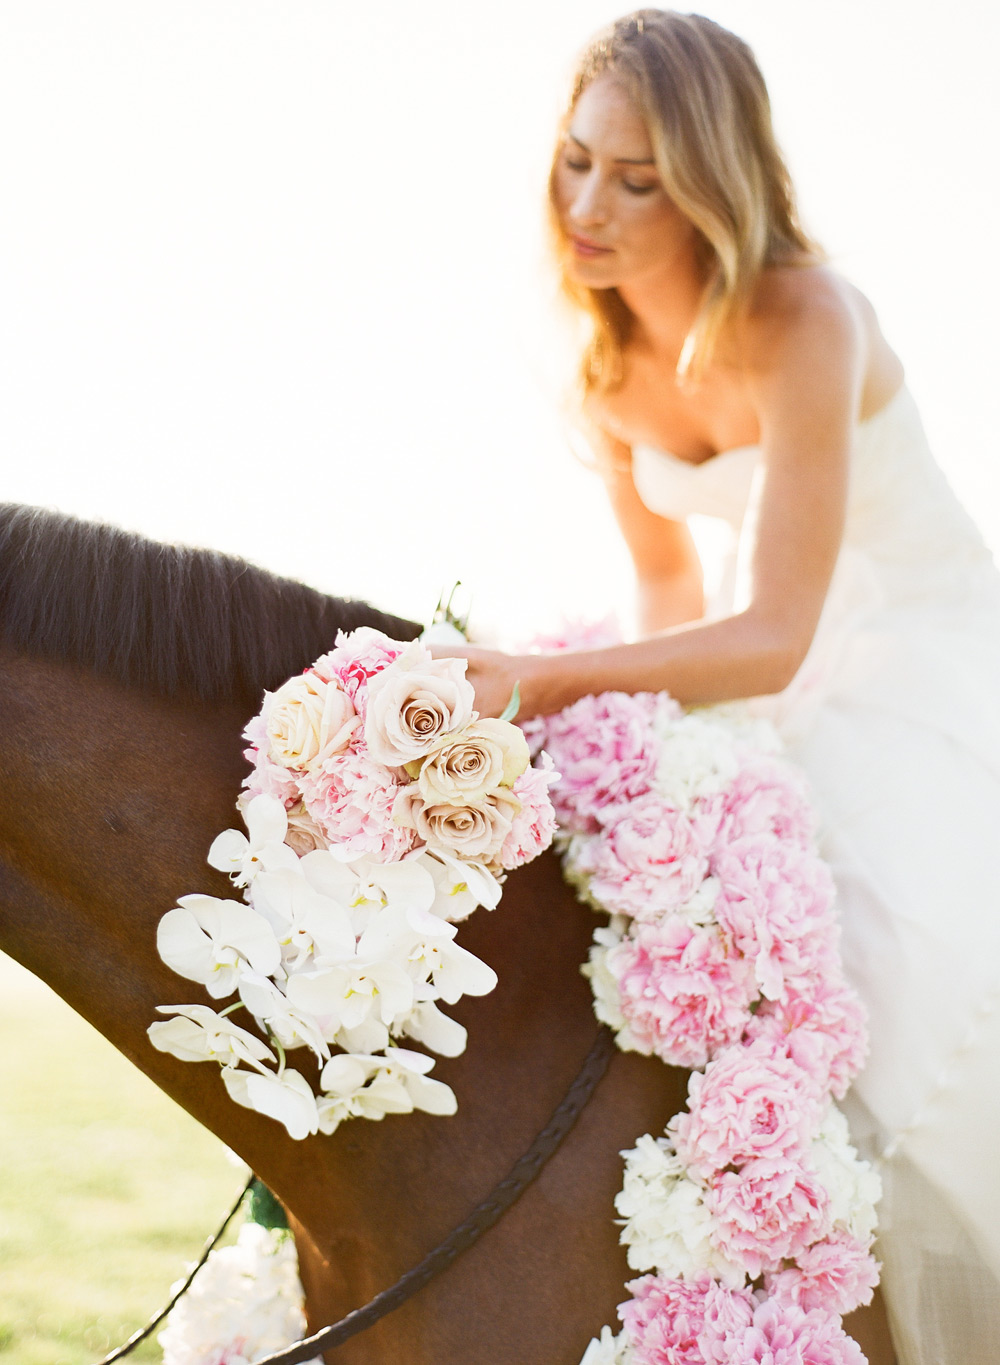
(535, 823)
(769, 1211)
(728, 1312)
(767, 797)
(575, 633)
(774, 901)
(268, 778)
(355, 659)
(604, 750)
(663, 1320)
(351, 800)
(647, 860)
(750, 1102)
(782, 1334)
(836, 1275)
(682, 996)
(821, 1025)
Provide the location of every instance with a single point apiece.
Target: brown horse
(127, 672)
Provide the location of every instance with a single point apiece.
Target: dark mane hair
(165, 617)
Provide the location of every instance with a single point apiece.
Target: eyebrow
(619, 160)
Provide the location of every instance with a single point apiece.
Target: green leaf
(263, 1208)
(514, 705)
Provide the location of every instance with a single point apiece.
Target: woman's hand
(492, 673)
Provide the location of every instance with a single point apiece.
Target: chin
(593, 274)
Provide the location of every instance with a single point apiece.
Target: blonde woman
(731, 372)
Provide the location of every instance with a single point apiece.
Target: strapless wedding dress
(895, 716)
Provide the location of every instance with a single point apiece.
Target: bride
(731, 372)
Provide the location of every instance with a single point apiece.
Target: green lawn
(108, 1188)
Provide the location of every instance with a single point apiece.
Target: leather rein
(460, 1239)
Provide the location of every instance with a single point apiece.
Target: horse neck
(110, 800)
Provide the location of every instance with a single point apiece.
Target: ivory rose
(413, 704)
(473, 831)
(486, 755)
(308, 721)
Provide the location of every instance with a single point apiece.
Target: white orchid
(276, 1014)
(461, 886)
(306, 923)
(426, 1024)
(359, 1085)
(199, 1034)
(364, 882)
(285, 1097)
(371, 995)
(242, 858)
(209, 940)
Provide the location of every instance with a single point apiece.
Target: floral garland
(753, 1215)
(381, 810)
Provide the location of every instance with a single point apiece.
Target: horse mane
(166, 617)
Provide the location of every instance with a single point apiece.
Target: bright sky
(270, 270)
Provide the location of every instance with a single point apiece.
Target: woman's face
(620, 226)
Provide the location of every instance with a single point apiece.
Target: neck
(665, 304)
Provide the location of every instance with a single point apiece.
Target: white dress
(895, 716)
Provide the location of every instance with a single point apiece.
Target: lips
(587, 249)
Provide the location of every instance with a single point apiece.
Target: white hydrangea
(853, 1185)
(699, 908)
(245, 1303)
(667, 1226)
(696, 757)
(603, 983)
(608, 1349)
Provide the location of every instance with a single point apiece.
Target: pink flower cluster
(670, 1322)
(728, 961)
(376, 748)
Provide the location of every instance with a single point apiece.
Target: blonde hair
(707, 110)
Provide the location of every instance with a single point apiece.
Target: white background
(271, 274)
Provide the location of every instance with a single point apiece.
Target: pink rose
(748, 1103)
(682, 995)
(267, 778)
(771, 1210)
(475, 832)
(774, 902)
(782, 1334)
(648, 860)
(605, 752)
(414, 704)
(836, 1276)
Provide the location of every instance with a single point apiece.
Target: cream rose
(470, 831)
(308, 721)
(412, 708)
(486, 755)
(304, 835)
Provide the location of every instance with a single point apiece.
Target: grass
(108, 1189)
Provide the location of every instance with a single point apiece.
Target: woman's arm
(667, 568)
(804, 373)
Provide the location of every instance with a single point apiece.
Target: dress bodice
(901, 511)
(914, 580)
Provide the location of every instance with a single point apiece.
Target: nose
(588, 207)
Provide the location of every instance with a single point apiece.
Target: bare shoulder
(802, 317)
